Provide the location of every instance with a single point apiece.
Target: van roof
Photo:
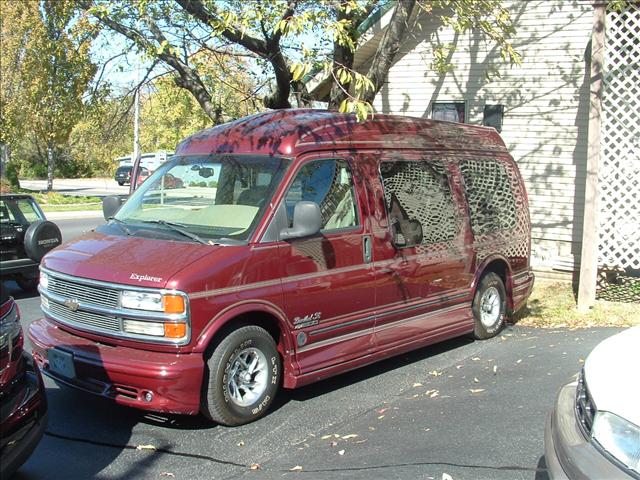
(294, 131)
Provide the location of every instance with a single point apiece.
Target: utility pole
(589, 256)
(136, 127)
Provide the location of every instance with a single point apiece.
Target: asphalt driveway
(459, 410)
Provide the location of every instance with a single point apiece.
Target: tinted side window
(329, 184)
(488, 190)
(419, 202)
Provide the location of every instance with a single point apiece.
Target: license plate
(61, 363)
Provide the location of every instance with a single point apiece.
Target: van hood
(137, 261)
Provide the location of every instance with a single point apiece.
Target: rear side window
(419, 202)
(488, 191)
(329, 184)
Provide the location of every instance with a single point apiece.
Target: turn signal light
(173, 303)
(175, 330)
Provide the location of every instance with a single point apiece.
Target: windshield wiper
(177, 227)
(121, 223)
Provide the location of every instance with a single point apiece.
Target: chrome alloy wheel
(247, 379)
(490, 307)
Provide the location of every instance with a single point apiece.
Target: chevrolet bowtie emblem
(71, 305)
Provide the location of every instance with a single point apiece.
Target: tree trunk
(342, 57)
(50, 164)
(389, 46)
(4, 159)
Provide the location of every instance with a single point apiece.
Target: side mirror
(110, 205)
(307, 221)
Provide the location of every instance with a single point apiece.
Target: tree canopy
(286, 40)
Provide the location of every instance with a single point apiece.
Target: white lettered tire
(242, 377)
(489, 306)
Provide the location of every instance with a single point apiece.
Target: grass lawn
(553, 305)
(71, 207)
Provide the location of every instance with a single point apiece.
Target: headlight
(155, 302)
(44, 280)
(141, 301)
(620, 438)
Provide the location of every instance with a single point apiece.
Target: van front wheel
(242, 377)
(489, 306)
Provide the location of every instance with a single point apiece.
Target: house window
(493, 116)
(449, 111)
(419, 202)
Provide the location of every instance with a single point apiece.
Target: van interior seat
(253, 197)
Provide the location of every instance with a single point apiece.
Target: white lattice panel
(619, 230)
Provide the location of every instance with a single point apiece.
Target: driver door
(328, 278)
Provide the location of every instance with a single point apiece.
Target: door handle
(366, 248)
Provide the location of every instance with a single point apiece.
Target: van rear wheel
(489, 306)
(242, 377)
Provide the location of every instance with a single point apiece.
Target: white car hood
(611, 372)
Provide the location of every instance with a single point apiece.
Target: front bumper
(125, 375)
(568, 454)
(23, 417)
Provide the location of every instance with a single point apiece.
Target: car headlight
(620, 438)
(141, 301)
(155, 302)
(44, 280)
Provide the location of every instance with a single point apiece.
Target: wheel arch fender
(499, 265)
(266, 315)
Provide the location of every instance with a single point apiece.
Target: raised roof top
(294, 131)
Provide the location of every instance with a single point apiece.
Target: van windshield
(213, 196)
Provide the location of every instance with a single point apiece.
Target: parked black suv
(25, 236)
(123, 175)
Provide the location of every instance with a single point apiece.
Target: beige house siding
(546, 105)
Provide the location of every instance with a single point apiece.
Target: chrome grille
(585, 408)
(81, 318)
(102, 297)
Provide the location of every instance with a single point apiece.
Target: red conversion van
(297, 245)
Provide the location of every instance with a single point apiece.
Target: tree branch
(389, 46)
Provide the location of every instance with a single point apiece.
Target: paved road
(79, 186)
(74, 227)
(414, 416)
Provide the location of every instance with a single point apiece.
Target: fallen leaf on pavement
(382, 410)
(475, 359)
(297, 468)
(435, 373)
(476, 390)
(446, 476)
(145, 447)
(495, 369)
(519, 360)
(255, 466)
(241, 443)
(380, 417)
(341, 452)
(334, 444)
(475, 379)
(324, 437)
(459, 366)
(351, 435)
(417, 385)
(167, 474)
